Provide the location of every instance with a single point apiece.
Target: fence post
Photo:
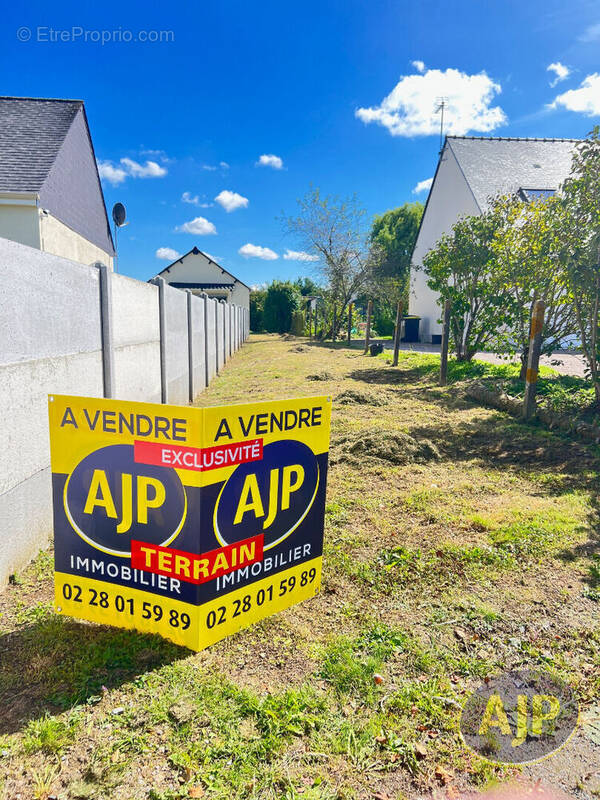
(334, 323)
(445, 341)
(368, 329)
(533, 360)
(190, 328)
(350, 306)
(397, 333)
(106, 323)
(162, 324)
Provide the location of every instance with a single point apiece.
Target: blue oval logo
(271, 496)
(110, 499)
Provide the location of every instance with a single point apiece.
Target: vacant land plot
(459, 543)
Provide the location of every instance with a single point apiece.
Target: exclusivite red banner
(199, 459)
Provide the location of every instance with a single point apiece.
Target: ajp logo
(519, 717)
(110, 499)
(271, 496)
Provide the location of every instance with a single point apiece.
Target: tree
(335, 230)
(463, 268)
(306, 286)
(257, 306)
(580, 252)
(395, 234)
(527, 246)
(281, 300)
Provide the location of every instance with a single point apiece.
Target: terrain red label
(192, 567)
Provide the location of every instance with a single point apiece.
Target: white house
(201, 274)
(470, 172)
(50, 192)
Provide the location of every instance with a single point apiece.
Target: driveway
(567, 363)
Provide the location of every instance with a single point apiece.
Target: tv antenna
(118, 214)
(442, 102)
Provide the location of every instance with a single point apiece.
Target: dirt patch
(357, 396)
(386, 446)
(321, 376)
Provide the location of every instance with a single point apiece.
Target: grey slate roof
(31, 134)
(494, 166)
(46, 148)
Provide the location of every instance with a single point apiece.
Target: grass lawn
(459, 543)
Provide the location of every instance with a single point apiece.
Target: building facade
(201, 274)
(50, 192)
(471, 171)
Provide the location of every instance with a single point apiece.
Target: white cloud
(584, 100)
(194, 200)
(418, 65)
(591, 33)
(111, 173)
(409, 109)
(148, 170)
(560, 71)
(167, 254)
(269, 160)
(255, 251)
(198, 226)
(212, 167)
(231, 200)
(298, 255)
(423, 186)
(127, 167)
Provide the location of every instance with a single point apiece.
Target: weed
(50, 734)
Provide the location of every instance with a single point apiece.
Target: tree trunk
(524, 359)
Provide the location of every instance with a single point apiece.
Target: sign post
(187, 522)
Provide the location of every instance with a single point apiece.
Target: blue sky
(302, 81)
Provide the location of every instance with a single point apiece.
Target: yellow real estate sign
(188, 522)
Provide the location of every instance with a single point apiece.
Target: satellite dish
(119, 214)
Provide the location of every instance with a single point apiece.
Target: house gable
(72, 191)
(450, 197)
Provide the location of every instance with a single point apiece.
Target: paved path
(565, 363)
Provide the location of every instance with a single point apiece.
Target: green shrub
(297, 326)
(281, 300)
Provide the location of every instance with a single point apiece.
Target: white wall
(68, 328)
(27, 224)
(20, 223)
(59, 239)
(449, 199)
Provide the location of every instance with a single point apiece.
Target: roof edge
(196, 250)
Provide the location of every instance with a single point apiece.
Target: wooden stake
(397, 333)
(445, 341)
(368, 330)
(533, 360)
(350, 322)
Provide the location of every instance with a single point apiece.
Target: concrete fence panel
(196, 336)
(50, 341)
(135, 340)
(211, 338)
(220, 336)
(176, 358)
